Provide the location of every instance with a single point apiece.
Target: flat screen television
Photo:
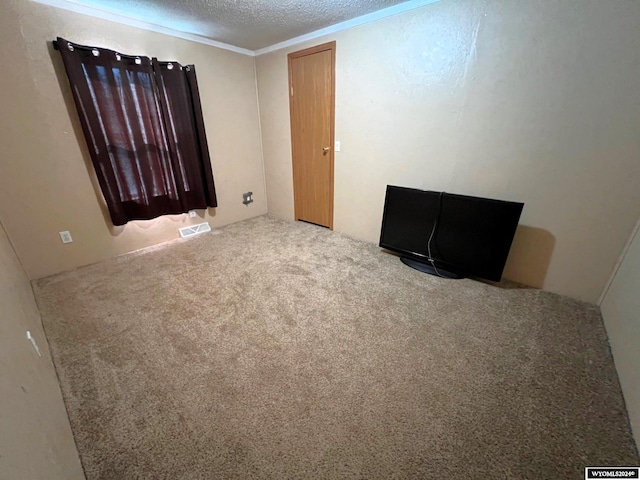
(449, 235)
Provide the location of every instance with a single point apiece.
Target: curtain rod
(56, 46)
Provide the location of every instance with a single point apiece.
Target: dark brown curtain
(142, 120)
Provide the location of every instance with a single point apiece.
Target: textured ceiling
(250, 24)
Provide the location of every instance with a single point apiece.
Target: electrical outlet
(66, 237)
(247, 198)
(192, 213)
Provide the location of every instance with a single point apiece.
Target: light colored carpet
(283, 350)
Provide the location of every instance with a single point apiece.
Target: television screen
(457, 233)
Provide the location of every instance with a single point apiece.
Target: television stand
(428, 268)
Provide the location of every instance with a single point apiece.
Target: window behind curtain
(142, 121)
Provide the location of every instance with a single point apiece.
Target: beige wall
(46, 182)
(621, 313)
(36, 440)
(527, 101)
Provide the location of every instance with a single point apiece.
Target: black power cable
(433, 232)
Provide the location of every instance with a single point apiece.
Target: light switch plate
(337, 146)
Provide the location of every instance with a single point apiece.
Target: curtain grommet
(138, 60)
(96, 52)
(118, 57)
(170, 66)
(70, 47)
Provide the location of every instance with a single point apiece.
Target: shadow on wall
(530, 255)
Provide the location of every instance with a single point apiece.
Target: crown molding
(338, 27)
(132, 22)
(354, 22)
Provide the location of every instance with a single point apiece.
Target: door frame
(330, 46)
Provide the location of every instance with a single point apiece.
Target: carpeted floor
(272, 349)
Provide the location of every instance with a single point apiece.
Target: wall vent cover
(195, 230)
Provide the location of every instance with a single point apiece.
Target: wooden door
(312, 107)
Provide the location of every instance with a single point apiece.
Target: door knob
(326, 149)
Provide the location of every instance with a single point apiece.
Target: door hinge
(291, 88)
